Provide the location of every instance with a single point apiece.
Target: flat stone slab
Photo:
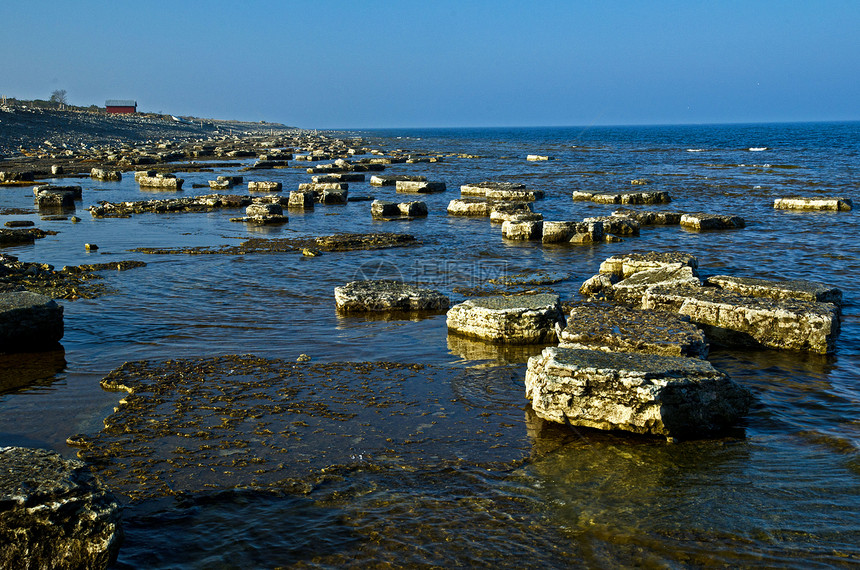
(699, 221)
(469, 207)
(572, 232)
(75, 191)
(419, 187)
(501, 212)
(105, 175)
(162, 182)
(517, 229)
(54, 513)
(627, 264)
(778, 290)
(617, 225)
(537, 157)
(300, 200)
(624, 197)
(386, 295)
(609, 328)
(650, 218)
(814, 203)
(515, 319)
(322, 186)
(736, 320)
(641, 393)
(339, 177)
(264, 186)
(381, 210)
(480, 188)
(392, 179)
(518, 195)
(29, 321)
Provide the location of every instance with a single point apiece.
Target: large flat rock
(737, 320)
(480, 188)
(54, 513)
(608, 328)
(832, 204)
(624, 197)
(626, 264)
(699, 222)
(514, 319)
(785, 289)
(641, 393)
(29, 321)
(386, 295)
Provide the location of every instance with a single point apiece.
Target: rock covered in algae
(609, 328)
(54, 513)
(641, 393)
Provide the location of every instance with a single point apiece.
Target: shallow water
(784, 490)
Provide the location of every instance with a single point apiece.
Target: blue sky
(364, 63)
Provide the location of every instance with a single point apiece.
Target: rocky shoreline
(630, 356)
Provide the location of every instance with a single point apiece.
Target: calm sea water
(783, 491)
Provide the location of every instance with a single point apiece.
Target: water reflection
(497, 354)
(28, 369)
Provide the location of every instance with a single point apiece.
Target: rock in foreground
(516, 319)
(54, 513)
(647, 394)
(29, 321)
(386, 295)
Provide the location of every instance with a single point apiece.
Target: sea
(455, 470)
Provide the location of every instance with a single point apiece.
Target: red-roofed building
(120, 106)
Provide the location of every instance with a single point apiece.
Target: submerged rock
(515, 319)
(29, 321)
(385, 295)
(736, 320)
(609, 328)
(501, 212)
(54, 513)
(813, 203)
(641, 393)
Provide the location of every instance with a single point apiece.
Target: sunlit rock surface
(386, 295)
(813, 203)
(642, 393)
(736, 320)
(515, 319)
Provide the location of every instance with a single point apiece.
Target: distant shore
(25, 130)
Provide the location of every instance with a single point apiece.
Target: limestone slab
(29, 321)
(387, 295)
(736, 320)
(626, 264)
(699, 221)
(814, 203)
(641, 393)
(785, 289)
(515, 319)
(610, 328)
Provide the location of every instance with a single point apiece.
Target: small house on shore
(120, 106)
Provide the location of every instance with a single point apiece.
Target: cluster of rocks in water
(632, 357)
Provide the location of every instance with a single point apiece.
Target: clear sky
(438, 63)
